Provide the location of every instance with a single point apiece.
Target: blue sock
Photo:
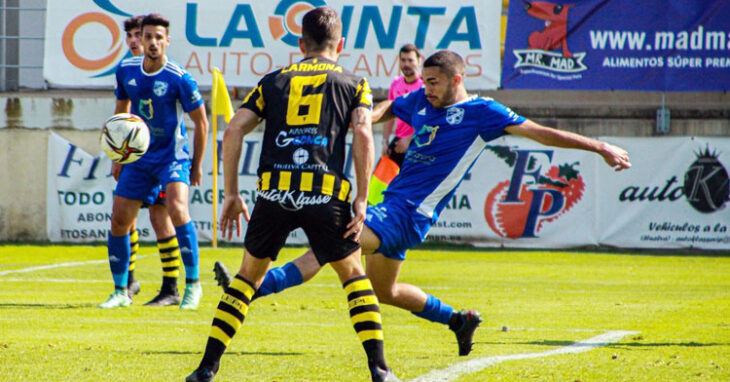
(187, 237)
(119, 252)
(436, 310)
(278, 279)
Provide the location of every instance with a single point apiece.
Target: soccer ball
(125, 138)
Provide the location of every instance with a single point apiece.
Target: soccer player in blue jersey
(452, 128)
(151, 87)
(162, 225)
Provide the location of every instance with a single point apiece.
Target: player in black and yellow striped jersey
(308, 106)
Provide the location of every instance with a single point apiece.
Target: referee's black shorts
(324, 224)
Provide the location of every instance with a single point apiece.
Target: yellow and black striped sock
(365, 317)
(134, 247)
(170, 259)
(229, 316)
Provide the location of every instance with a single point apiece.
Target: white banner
(84, 40)
(674, 196)
(518, 194)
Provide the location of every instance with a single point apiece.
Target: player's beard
(408, 71)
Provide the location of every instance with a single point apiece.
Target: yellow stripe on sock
(217, 333)
(369, 335)
(284, 180)
(358, 285)
(172, 243)
(242, 287)
(344, 189)
(228, 319)
(367, 316)
(328, 184)
(305, 184)
(234, 302)
(362, 301)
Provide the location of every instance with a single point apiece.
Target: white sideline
(472, 366)
(59, 265)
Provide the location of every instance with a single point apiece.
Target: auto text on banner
(84, 40)
(675, 197)
(650, 45)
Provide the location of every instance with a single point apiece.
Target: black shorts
(324, 224)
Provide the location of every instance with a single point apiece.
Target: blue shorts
(142, 181)
(398, 225)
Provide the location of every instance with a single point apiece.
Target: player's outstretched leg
(118, 251)
(132, 283)
(170, 261)
(293, 273)
(188, 239)
(383, 273)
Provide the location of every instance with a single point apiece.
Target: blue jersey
(154, 97)
(446, 143)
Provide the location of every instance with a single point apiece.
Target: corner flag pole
(220, 106)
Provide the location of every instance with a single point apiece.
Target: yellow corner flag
(221, 101)
(220, 106)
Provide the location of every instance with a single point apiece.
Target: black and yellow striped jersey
(307, 108)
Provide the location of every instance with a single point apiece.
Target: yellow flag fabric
(220, 100)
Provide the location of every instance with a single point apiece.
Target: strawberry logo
(521, 206)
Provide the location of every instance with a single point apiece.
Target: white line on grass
(58, 265)
(472, 366)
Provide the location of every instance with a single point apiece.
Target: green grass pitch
(679, 305)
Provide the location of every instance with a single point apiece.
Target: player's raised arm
(200, 140)
(383, 111)
(242, 123)
(363, 155)
(614, 156)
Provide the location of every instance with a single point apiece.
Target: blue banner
(651, 45)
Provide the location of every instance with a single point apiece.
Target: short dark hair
(321, 29)
(133, 23)
(155, 19)
(407, 48)
(449, 62)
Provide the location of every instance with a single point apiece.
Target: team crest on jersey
(454, 115)
(145, 109)
(423, 141)
(160, 88)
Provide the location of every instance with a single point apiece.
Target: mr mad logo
(285, 25)
(548, 48)
(521, 206)
(72, 40)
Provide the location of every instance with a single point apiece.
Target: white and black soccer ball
(125, 138)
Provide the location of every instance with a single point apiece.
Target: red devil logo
(556, 26)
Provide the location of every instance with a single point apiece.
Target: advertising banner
(84, 40)
(652, 45)
(676, 196)
(518, 194)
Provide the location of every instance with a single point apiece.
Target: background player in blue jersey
(151, 87)
(452, 128)
(162, 225)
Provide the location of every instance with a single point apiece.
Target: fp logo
(519, 207)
